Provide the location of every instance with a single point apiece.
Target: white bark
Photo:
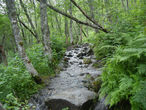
(45, 28)
(71, 22)
(13, 18)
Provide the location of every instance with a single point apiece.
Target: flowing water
(68, 89)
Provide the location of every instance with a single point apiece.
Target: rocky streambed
(69, 89)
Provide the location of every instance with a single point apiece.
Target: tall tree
(29, 20)
(45, 28)
(21, 50)
(71, 23)
(90, 3)
(66, 30)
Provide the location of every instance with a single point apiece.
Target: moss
(87, 61)
(21, 43)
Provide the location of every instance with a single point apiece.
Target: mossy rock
(97, 84)
(87, 61)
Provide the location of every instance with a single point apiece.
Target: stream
(69, 90)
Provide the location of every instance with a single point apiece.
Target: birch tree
(45, 28)
(21, 50)
(71, 23)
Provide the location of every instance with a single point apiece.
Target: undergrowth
(16, 83)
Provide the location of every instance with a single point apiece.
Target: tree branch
(27, 28)
(74, 19)
(89, 18)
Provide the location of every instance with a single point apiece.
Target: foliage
(124, 51)
(124, 74)
(13, 103)
(65, 108)
(19, 81)
(41, 62)
(15, 79)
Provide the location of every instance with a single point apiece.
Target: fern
(124, 73)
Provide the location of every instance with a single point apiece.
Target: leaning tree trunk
(21, 50)
(45, 28)
(71, 22)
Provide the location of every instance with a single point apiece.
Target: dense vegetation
(123, 54)
(118, 38)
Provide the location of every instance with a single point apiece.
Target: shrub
(16, 79)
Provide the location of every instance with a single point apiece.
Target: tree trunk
(21, 50)
(3, 58)
(58, 24)
(66, 30)
(90, 2)
(127, 3)
(81, 37)
(29, 20)
(71, 22)
(123, 4)
(45, 28)
(1, 107)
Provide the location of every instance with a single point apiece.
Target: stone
(81, 54)
(82, 74)
(80, 62)
(66, 59)
(69, 55)
(74, 98)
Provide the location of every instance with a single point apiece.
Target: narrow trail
(68, 88)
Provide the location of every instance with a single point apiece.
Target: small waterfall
(101, 105)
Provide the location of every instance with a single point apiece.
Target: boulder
(73, 98)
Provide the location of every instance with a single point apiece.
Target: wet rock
(85, 45)
(77, 49)
(81, 54)
(80, 62)
(59, 104)
(90, 52)
(69, 55)
(85, 81)
(82, 74)
(73, 98)
(66, 59)
(87, 61)
(71, 63)
(81, 57)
